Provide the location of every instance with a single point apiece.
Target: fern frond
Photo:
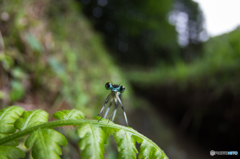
(93, 135)
(69, 114)
(126, 145)
(10, 152)
(148, 151)
(107, 131)
(31, 118)
(45, 144)
(92, 139)
(8, 116)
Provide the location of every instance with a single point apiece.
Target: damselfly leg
(124, 113)
(114, 112)
(102, 110)
(106, 111)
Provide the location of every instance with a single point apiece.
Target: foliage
(10, 152)
(49, 52)
(69, 114)
(137, 32)
(218, 67)
(31, 118)
(8, 116)
(125, 139)
(45, 142)
(92, 140)
(189, 21)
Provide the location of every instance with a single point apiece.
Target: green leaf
(34, 43)
(108, 131)
(17, 91)
(126, 144)
(31, 118)
(45, 144)
(6, 61)
(10, 152)
(18, 73)
(8, 116)
(148, 151)
(69, 114)
(91, 143)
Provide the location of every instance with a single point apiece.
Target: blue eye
(121, 89)
(108, 86)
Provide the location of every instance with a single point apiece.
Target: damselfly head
(114, 87)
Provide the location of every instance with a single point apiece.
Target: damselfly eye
(108, 85)
(122, 89)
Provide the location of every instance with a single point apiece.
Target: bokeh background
(182, 86)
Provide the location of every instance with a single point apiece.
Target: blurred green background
(181, 92)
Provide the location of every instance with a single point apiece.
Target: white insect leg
(125, 116)
(108, 109)
(104, 104)
(115, 110)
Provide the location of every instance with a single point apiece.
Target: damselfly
(113, 97)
